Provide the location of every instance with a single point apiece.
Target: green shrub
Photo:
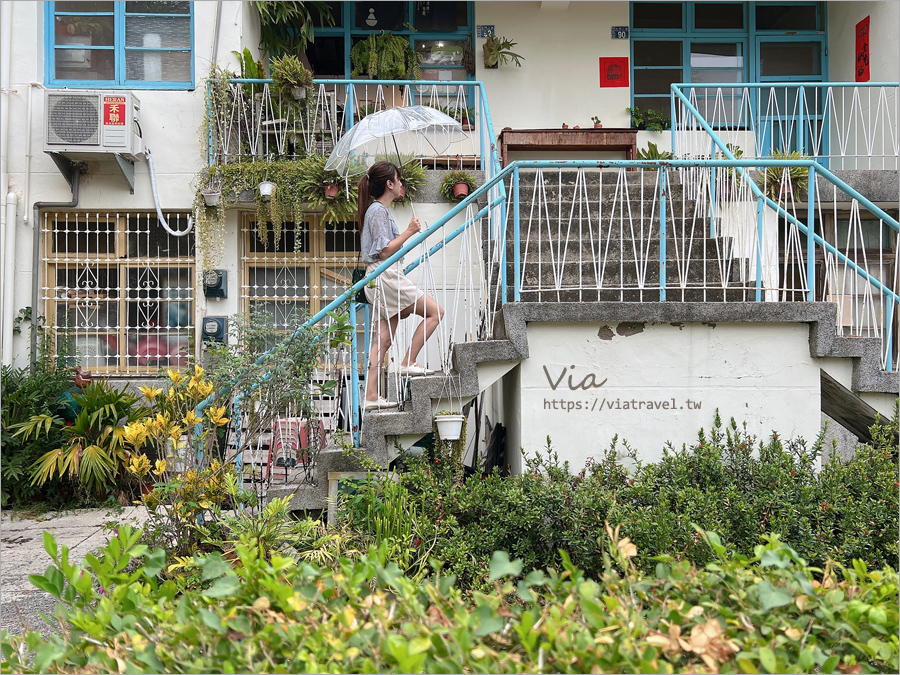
(727, 482)
(26, 394)
(255, 614)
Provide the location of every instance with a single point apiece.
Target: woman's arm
(397, 244)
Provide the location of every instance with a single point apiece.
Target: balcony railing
(840, 125)
(250, 121)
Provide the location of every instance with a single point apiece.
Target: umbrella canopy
(397, 135)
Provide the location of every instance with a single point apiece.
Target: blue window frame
(437, 30)
(698, 42)
(128, 45)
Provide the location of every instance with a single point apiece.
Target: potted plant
(266, 189)
(291, 78)
(449, 424)
(314, 186)
(782, 180)
(651, 120)
(413, 178)
(497, 51)
(597, 123)
(211, 194)
(456, 185)
(385, 56)
(332, 190)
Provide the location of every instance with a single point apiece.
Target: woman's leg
(380, 342)
(432, 313)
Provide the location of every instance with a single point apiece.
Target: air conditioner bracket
(127, 167)
(67, 167)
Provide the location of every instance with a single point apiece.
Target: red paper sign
(114, 111)
(613, 71)
(862, 50)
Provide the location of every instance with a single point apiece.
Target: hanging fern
(312, 190)
(385, 56)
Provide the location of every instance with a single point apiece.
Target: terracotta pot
(332, 191)
(460, 190)
(146, 488)
(565, 126)
(576, 127)
(598, 126)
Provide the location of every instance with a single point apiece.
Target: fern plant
(451, 179)
(778, 181)
(312, 190)
(385, 56)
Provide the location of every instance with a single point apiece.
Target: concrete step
(641, 295)
(622, 249)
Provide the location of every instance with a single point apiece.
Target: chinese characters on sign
(114, 111)
(862, 50)
(613, 71)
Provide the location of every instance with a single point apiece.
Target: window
(722, 42)
(438, 31)
(295, 277)
(139, 45)
(118, 290)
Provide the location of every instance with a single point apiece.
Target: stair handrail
(813, 167)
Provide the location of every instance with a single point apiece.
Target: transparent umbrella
(398, 135)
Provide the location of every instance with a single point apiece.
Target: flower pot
(332, 191)
(266, 189)
(146, 488)
(211, 198)
(449, 427)
(298, 93)
(460, 190)
(565, 126)
(598, 126)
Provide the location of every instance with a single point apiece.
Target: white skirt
(393, 292)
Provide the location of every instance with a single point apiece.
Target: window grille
(118, 291)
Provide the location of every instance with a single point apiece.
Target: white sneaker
(378, 404)
(414, 370)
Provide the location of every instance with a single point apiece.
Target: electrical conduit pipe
(9, 276)
(6, 228)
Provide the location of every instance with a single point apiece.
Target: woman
(394, 296)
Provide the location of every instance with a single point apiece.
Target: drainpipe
(214, 56)
(7, 227)
(9, 276)
(28, 133)
(77, 170)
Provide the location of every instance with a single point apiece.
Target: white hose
(159, 213)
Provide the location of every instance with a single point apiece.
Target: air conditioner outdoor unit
(84, 124)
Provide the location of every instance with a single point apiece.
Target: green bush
(254, 614)
(25, 394)
(727, 482)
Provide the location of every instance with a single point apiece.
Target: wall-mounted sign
(484, 30)
(619, 32)
(613, 71)
(114, 111)
(862, 50)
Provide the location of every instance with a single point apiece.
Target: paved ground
(22, 553)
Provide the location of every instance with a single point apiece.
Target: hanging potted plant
(413, 177)
(266, 190)
(497, 51)
(385, 56)
(211, 194)
(315, 186)
(449, 425)
(291, 78)
(456, 185)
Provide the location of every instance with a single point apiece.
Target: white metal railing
(841, 125)
(251, 121)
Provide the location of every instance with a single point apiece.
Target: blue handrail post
(348, 107)
(759, 239)
(810, 239)
(662, 234)
(516, 244)
(889, 334)
(354, 376)
(801, 138)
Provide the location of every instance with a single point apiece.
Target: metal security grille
(310, 265)
(118, 290)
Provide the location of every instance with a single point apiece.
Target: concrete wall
(559, 80)
(884, 48)
(684, 372)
